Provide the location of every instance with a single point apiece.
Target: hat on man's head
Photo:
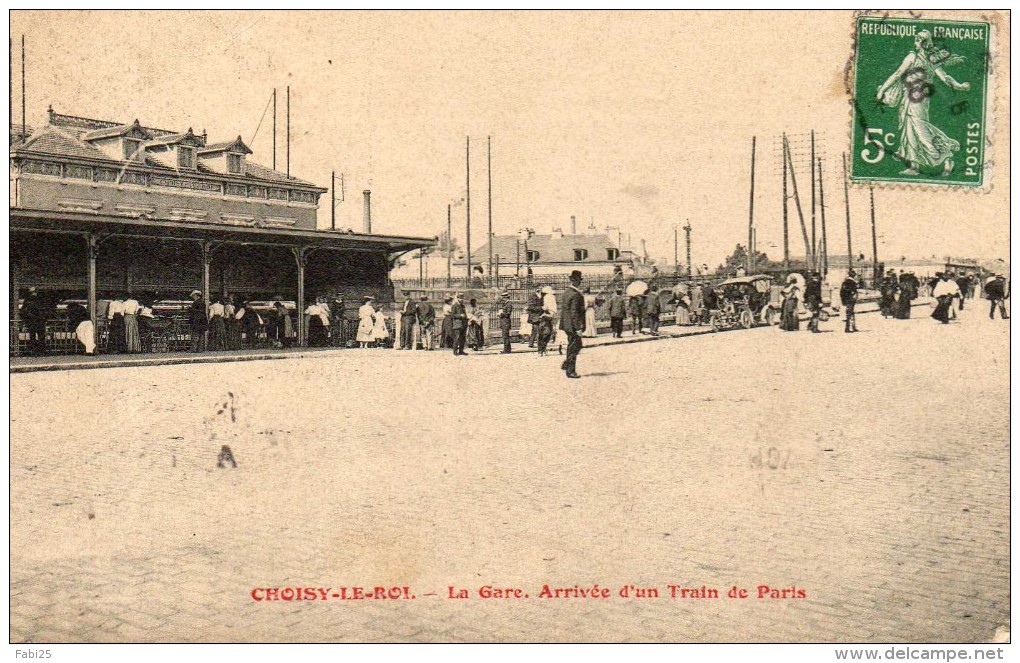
(851, 273)
(367, 298)
(424, 298)
(576, 274)
(195, 293)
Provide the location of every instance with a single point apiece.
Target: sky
(642, 120)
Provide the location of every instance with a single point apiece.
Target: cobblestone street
(870, 471)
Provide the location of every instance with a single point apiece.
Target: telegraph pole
(750, 216)
(332, 196)
(846, 197)
(786, 201)
(449, 246)
(288, 132)
(874, 237)
(687, 231)
(274, 128)
(825, 239)
(814, 243)
(468, 161)
(676, 251)
(489, 141)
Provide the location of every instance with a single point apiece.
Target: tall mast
(846, 197)
(750, 215)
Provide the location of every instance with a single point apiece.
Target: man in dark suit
(813, 300)
(458, 317)
(617, 312)
(506, 310)
(848, 296)
(572, 322)
(426, 321)
(408, 313)
(654, 310)
(198, 321)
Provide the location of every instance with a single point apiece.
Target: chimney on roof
(644, 251)
(573, 224)
(368, 212)
(557, 233)
(50, 113)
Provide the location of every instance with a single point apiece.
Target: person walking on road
(590, 303)
(944, 292)
(617, 312)
(366, 314)
(545, 321)
(426, 321)
(848, 296)
(572, 322)
(407, 318)
(888, 289)
(813, 300)
(995, 292)
(198, 321)
(458, 325)
(654, 310)
(636, 309)
(534, 311)
(789, 320)
(506, 311)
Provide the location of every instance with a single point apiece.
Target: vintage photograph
(510, 327)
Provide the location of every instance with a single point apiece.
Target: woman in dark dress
(907, 293)
(446, 327)
(790, 321)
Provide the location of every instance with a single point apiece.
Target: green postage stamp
(921, 101)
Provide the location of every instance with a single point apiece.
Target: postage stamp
(921, 101)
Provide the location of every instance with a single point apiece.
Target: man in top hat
(506, 310)
(848, 296)
(572, 322)
(198, 320)
(458, 324)
(995, 292)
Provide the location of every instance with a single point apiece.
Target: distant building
(556, 253)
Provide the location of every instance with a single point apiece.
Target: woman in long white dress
(590, 330)
(366, 322)
(379, 332)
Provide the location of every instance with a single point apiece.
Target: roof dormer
(123, 143)
(176, 150)
(226, 157)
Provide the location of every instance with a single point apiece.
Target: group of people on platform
(897, 293)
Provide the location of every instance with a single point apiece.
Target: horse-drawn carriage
(744, 301)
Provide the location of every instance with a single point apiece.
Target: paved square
(870, 471)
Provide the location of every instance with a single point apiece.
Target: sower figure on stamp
(572, 322)
(922, 144)
(848, 296)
